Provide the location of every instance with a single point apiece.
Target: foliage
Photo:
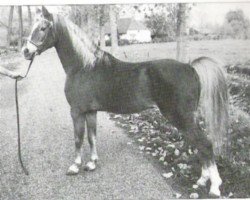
(236, 25)
(90, 18)
(162, 20)
(159, 26)
(81, 14)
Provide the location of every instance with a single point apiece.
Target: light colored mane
(84, 47)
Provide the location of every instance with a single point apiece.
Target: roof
(125, 24)
(137, 25)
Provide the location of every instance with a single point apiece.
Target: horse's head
(42, 36)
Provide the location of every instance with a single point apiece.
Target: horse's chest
(80, 93)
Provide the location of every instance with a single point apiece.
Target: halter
(37, 45)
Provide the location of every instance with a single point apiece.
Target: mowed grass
(228, 51)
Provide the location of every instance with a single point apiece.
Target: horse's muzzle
(27, 54)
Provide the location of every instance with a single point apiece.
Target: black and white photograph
(124, 100)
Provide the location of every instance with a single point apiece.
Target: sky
(209, 13)
(202, 14)
(206, 13)
(214, 13)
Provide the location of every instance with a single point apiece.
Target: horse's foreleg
(79, 129)
(91, 119)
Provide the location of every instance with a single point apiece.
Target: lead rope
(18, 121)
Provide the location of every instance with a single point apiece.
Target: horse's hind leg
(91, 119)
(79, 129)
(206, 156)
(196, 138)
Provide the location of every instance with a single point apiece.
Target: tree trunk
(10, 27)
(181, 29)
(102, 26)
(92, 28)
(113, 27)
(30, 17)
(102, 36)
(20, 41)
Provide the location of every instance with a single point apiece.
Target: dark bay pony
(97, 81)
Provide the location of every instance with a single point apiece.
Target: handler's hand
(19, 78)
(16, 76)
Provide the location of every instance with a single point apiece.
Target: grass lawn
(229, 51)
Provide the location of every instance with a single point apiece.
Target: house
(130, 29)
(3, 36)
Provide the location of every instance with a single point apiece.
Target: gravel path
(48, 147)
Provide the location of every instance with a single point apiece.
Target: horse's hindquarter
(175, 86)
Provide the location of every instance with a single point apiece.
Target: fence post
(20, 41)
(10, 27)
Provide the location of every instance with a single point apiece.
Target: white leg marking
(73, 169)
(94, 156)
(90, 166)
(93, 151)
(78, 159)
(204, 176)
(215, 180)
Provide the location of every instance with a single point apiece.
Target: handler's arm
(9, 73)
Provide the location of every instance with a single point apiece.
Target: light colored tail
(213, 104)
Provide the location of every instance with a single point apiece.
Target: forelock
(38, 16)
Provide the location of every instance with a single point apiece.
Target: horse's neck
(74, 49)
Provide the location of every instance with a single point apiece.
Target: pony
(97, 81)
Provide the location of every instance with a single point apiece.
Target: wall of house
(3, 36)
(138, 35)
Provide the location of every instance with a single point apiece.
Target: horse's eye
(42, 28)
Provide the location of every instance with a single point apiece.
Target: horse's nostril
(26, 50)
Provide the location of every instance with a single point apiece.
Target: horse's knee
(78, 142)
(91, 119)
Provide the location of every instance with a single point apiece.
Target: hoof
(202, 182)
(214, 192)
(73, 170)
(90, 166)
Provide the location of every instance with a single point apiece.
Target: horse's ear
(46, 13)
(38, 11)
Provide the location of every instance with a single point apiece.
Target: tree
(113, 27)
(103, 19)
(90, 18)
(160, 19)
(20, 17)
(10, 26)
(236, 25)
(29, 16)
(158, 24)
(180, 34)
